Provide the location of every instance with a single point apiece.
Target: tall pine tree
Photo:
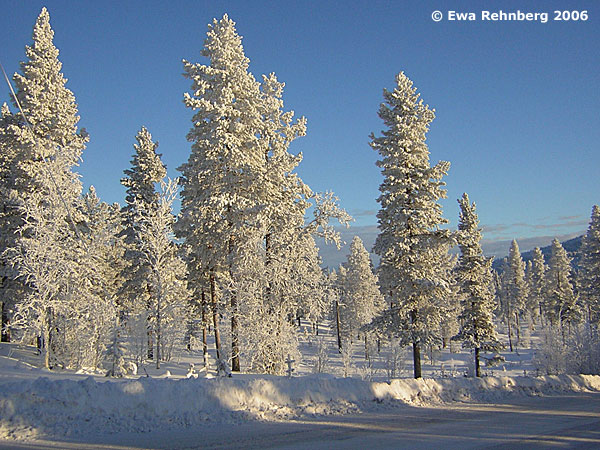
(515, 289)
(560, 298)
(414, 268)
(474, 276)
(48, 145)
(141, 197)
(535, 300)
(243, 204)
(220, 190)
(589, 273)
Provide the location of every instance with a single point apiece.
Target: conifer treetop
(589, 273)
(47, 103)
(414, 268)
(411, 188)
(469, 236)
(146, 170)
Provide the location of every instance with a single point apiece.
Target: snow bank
(53, 408)
(487, 389)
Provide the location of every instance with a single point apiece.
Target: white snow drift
(53, 408)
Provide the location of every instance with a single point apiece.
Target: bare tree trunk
(477, 369)
(509, 320)
(416, 349)
(337, 321)
(417, 359)
(4, 322)
(158, 328)
(235, 351)
(213, 302)
(47, 337)
(518, 342)
(204, 334)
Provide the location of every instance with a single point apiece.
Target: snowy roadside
(31, 409)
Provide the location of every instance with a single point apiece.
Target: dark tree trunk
(417, 359)
(215, 313)
(337, 321)
(4, 323)
(235, 351)
(416, 348)
(158, 329)
(47, 340)
(509, 320)
(477, 370)
(204, 333)
(518, 325)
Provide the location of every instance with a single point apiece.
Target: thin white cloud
(363, 213)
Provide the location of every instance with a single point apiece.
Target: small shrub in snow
(394, 361)
(346, 358)
(568, 351)
(321, 360)
(368, 371)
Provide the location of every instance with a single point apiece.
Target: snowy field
(165, 409)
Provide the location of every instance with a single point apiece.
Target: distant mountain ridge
(572, 247)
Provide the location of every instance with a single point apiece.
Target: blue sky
(516, 102)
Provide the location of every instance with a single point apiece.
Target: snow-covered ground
(40, 404)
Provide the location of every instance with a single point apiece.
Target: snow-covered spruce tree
(239, 189)
(47, 149)
(414, 270)
(589, 272)
(535, 299)
(167, 271)
(362, 300)
(474, 277)
(561, 301)
(11, 288)
(219, 195)
(515, 289)
(140, 180)
(52, 140)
